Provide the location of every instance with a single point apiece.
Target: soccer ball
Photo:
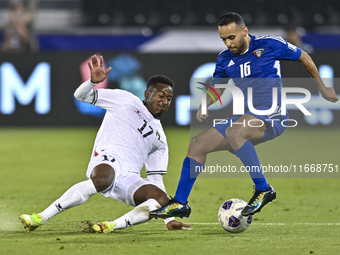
(230, 218)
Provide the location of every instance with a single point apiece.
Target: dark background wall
(65, 76)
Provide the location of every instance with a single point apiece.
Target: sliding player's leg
(135, 191)
(101, 178)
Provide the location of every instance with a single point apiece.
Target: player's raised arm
(85, 92)
(327, 93)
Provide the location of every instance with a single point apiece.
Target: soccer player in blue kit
(251, 61)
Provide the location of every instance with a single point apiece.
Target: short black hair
(231, 17)
(160, 79)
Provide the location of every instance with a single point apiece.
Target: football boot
(258, 201)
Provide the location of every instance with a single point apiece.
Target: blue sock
(191, 168)
(248, 156)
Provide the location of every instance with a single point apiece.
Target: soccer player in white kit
(130, 137)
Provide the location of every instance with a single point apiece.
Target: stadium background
(142, 38)
(47, 137)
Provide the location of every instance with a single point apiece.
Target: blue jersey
(258, 67)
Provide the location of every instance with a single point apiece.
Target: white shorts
(125, 183)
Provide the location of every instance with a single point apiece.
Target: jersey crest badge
(259, 52)
(158, 135)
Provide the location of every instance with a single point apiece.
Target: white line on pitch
(216, 223)
(269, 223)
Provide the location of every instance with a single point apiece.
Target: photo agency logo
(271, 114)
(204, 109)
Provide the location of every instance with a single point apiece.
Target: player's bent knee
(150, 191)
(102, 177)
(233, 133)
(193, 141)
(196, 145)
(162, 198)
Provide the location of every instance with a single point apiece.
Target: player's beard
(242, 46)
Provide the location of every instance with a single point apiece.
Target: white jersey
(130, 133)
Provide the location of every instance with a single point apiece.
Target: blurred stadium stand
(69, 31)
(150, 18)
(51, 15)
(155, 14)
(176, 13)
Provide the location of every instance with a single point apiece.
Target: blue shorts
(272, 121)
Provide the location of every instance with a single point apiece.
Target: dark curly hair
(160, 79)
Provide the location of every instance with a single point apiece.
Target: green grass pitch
(38, 165)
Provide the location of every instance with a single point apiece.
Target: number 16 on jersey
(245, 69)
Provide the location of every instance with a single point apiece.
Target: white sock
(74, 196)
(139, 214)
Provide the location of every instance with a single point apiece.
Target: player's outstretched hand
(177, 225)
(98, 74)
(329, 94)
(200, 116)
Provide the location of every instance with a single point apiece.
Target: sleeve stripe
(95, 97)
(278, 38)
(156, 172)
